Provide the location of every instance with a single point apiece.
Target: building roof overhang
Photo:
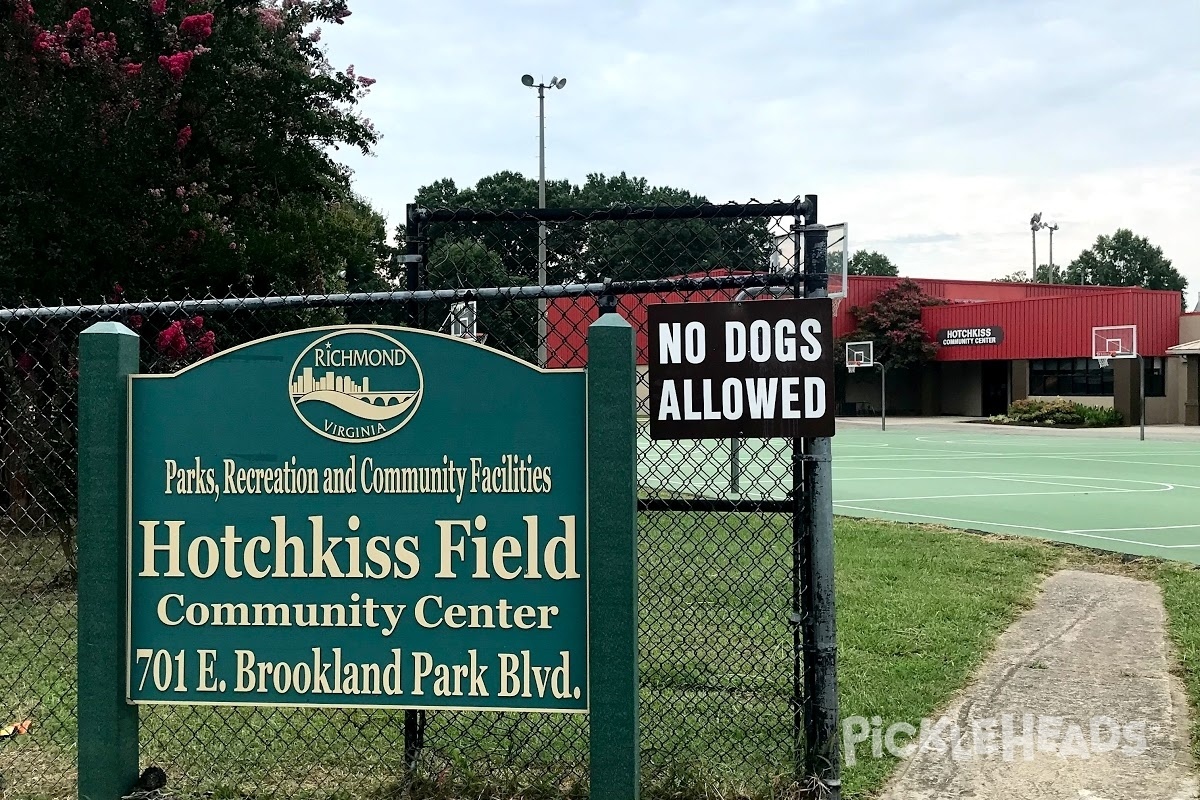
(1185, 349)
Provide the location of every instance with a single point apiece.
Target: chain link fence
(719, 570)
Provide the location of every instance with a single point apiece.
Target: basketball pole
(883, 395)
(1142, 394)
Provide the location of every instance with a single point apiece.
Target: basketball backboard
(784, 259)
(859, 354)
(1114, 341)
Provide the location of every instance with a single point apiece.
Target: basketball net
(837, 301)
(852, 365)
(1103, 358)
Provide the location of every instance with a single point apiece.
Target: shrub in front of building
(1059, 413)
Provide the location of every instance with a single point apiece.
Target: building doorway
(995, 387)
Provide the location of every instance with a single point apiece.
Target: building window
(1155, 376)
(1067, 377)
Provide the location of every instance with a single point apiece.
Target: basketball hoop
(837, 301)
(853, 365)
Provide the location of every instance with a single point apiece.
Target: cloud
(909, 118)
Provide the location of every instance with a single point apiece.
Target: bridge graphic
(350, 396)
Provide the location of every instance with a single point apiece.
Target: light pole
(1035, 225)
(1052, 227)
(555, 83)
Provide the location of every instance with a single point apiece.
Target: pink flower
(184, 136)
(106, 45)
(44, 41)
(198, 26)
(196, 322)
(133, 70)
(364, 81)
(65, 58)
(23, 12)
(176, 65)
(135, 321)
(171, 340)
(207, 344)
(270, 18)
(81, 23)
(158, 7)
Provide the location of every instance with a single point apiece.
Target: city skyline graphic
(354, 397)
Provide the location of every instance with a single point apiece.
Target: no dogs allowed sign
(758, 368)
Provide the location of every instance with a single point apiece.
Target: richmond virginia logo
(356, 386)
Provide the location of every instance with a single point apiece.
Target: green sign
(359, 517)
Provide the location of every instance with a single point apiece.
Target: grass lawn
(918, 609)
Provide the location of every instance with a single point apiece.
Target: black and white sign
(759, 368)
(951, 337)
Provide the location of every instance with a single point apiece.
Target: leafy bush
(1060, 412)
(1101, 417)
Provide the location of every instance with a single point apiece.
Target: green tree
(1125, 259)
(595, 250)
(870, 262)
(893, 323)
(1043, 276)
(482, 254)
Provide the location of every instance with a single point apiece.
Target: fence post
(108, 725)
(412, 263)
(612, 561)
(822, 756)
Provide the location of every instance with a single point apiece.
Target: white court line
(958, 472)
(1155, 528)
(1118, 461)
(996, 494)
(1000, 477)
(1026, 528)
(960, 454)
(1165, 487)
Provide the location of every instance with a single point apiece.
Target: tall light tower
(1052, 227)
(1035, 225)
(555, 83)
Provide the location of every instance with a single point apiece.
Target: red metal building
(1044, 346)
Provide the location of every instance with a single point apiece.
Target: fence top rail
(752, 210)
(593, 289)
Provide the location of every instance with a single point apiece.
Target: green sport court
(1103, 489)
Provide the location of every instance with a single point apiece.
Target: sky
(934, 128)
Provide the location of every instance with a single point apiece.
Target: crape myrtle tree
(505, 254)
(176, 147)
(162, 149)
(893, 323)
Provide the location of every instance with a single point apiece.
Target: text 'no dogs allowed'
(748, 369)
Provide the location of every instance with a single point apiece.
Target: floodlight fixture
(555, 83)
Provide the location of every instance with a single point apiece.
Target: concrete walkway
(1077, 701)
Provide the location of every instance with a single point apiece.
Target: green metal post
(612, 561)
(108, 726)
